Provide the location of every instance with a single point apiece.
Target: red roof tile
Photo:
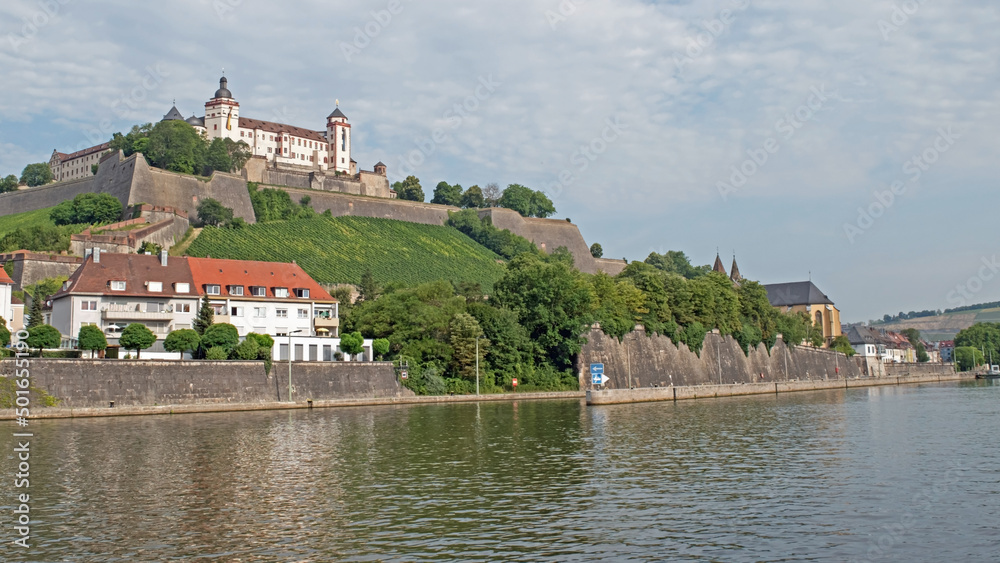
(4, 278)
(135, 270)
(84, 152)
(271, 127)
(245, 273)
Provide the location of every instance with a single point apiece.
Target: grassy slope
(13, 222)
(338, 250)
(947, 325)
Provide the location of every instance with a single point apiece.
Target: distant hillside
(339, 249)
(946, 325)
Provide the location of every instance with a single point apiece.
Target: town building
(806, 297)
(7, 299)
(76, 165)
(164, 293)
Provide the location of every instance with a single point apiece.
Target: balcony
(135, 313)
(325, 326)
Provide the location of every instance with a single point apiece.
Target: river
(904, 473)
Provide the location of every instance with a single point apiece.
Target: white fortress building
(277, 144)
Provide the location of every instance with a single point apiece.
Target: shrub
(246, 350)
(221, 335)
(216, 353)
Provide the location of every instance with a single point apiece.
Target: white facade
(6, 306)
(76, 165)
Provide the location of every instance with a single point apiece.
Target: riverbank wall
(82, 384)
(646, 395)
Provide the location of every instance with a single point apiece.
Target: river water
(903, 473)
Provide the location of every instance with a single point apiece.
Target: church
(279, 144)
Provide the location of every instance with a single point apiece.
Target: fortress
(297, 160)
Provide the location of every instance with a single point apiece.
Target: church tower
(718, 267)
(735, 275)
(338, 134)
(222, 114)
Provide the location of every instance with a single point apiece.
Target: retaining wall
(95, 383)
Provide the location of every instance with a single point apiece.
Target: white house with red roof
(6, 298)
(164, 293)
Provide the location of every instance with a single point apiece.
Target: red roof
(84, 152)
(247, 273)
(4, 278)
(135, 270)
(271, 127)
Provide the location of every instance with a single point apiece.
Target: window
(236, 290)
(236, 311)
(183, 307)
(258, 291)
(269, 149)
(303, 313)
(260, 312)
(219, 309)
(343, 140)
(88, 305)
(281, 292)
(213, 289)
(281, 313)
(182, 287)
(117, 285)
(155, 286)
(302, 293)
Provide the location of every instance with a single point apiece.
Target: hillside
(35, 218)
(946, 325)
(339, 249)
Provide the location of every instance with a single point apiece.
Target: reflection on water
(886, 473)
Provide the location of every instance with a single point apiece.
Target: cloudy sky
(853, 141)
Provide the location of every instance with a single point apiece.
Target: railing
(133, 314)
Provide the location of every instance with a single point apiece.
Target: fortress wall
(374, 185)
(159, 187)
(341, 204)
(547, 234)
(41, 197)
(30, 268)
(656, 361)
(610, 266)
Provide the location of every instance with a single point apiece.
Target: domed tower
(338, 133)
(222, 113)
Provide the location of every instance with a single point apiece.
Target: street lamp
(290, 333)
(477, 365)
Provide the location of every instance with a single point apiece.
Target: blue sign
(597, 374)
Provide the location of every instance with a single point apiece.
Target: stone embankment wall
(95, 383)
(165, 232)
(904, 370)
(655, 361)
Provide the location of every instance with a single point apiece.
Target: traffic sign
(404, 374)
(597, 376)
(514, 382)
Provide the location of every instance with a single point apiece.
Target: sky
(852, 143)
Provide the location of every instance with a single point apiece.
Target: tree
(446, 194)
(206, 316)
(541, 205)
(249, 349)
(211, 212)
(91, 338)
(596, 251)
(43, 336)
(35, 311)
(968, 357)
(182, 340)
(136, 140)
(352, 344)
(37, 174)
(88, 208)
(175, 145)
(217, 156)
(8, 184)
(517, 198)
(676, 262)
(136, 336)
(381, 347)
(4, 333)
(793, 327)
(216, 353)
(94, 168)
(472, 198)
(464, 330)
(491, 194)
(368, 290)
(843, 345)
(409, 189)
(221, 335)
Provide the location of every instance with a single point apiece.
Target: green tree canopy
(43, 336)
(221, 335)
(35, 316)
(249, 349)
(182, 340)
(526, 202)
(4, 333)
(136, 336)
(136, 140)
(91, 338)
(446, 194)
(380, 346)
(88, 208)
(37, 174)
(472, 198)
(968, 357)
(368, 289)
(211, 212)
(596, 250)
(8, 184)
(464, 329)
(352, 343)
(843, 345)
(176, 146)
(676, 262)
(409, 189)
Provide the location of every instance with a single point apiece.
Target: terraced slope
(340, 249)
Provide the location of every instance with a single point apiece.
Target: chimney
(87, 253)
(97, 255)
(163, 258)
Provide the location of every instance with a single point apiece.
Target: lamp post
(290, 333)
(477, 364)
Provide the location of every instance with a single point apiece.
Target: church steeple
(735, 272)
(718, 267)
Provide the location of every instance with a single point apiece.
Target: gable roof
(272, 127)
(4, 278)
(795, 293)
(135, 270)
(173, 115)
(246, 273)
(84, 152)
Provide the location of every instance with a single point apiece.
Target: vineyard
(340, 249)
(36, 218)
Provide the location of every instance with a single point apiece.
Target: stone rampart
(95, 383)
(647, 361)
(550, 234)
(341, 204)
(32, 267)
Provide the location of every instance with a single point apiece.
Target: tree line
(524, 200)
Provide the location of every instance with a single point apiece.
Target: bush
(88, 208)
(216, 353)
(221, 335)
(249, 349)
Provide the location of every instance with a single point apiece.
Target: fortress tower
(222, 114)
(338, 134)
